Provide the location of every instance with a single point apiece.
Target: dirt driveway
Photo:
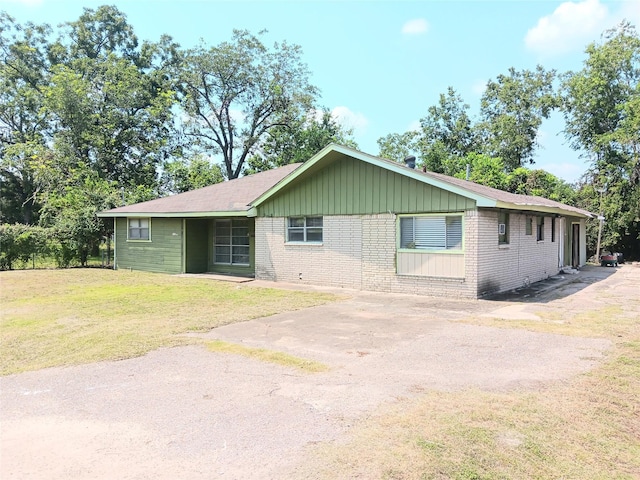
(189, 413)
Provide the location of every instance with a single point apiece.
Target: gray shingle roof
(231, 196)
(506, 197)
(239, 194)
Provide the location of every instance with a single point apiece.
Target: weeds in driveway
(65, 317)
(271, 356)
(588, 427)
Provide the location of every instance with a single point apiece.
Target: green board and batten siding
(162, 254)
(197, 254)
(351, 187)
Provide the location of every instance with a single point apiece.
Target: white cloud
(417, 26)
(569, 28)
(478, 87)
(349, 119)
(414, 126)
(630, 10)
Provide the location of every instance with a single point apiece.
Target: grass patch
(270, 356)
(65, 317)
(610, 321)
(588, 427)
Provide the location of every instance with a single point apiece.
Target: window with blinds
(431, 232)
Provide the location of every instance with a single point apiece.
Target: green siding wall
(197, 255)
(350, 186)
(162, 254)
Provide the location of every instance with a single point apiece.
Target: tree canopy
(602, 112)
(90, 115)
(234, 93)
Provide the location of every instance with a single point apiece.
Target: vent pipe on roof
(468, 170)
(410, 161)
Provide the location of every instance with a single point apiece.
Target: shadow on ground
(557, 286)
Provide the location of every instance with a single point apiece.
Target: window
(540, 228)
(431, 232)
(503, 228)
(139, 229)
(529, 226)
(304, 229)
(231, 242)
(553, 229)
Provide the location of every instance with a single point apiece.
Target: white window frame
(504, 232)
(139, 227)
(528, 227)
(416, 247)
(540, 228)
(305, 229)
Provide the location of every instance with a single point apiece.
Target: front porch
(220, 245)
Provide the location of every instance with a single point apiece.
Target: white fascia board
(235, 213)
(542, 209)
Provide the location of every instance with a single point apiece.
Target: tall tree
(299, 141)
(512, 109)
(111, 99)
(23, 121)
(540, 183)
(236, 92)
(181, 175)
(446, 134)
(398, 146)
(601, 105)
(448, 127)
(78, 116)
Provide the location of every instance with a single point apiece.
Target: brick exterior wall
(379, 267)
(337, 262)
(359, 251)
(523, 260)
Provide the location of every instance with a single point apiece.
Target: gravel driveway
(189, 413)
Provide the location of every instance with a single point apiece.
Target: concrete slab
(218, 276)
(512, 312)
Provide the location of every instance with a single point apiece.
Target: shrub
(21, 242)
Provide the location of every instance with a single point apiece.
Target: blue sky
(381, 64)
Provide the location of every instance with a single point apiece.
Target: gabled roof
(334, 152)
(231, 198)
(483, 196)
(239, 197)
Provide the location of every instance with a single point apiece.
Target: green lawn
(65, 317)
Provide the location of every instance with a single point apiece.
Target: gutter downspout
(184, 245)
(115, 244)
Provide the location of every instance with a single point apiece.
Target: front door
(562, 240)
(575, 245)
(232, 249)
